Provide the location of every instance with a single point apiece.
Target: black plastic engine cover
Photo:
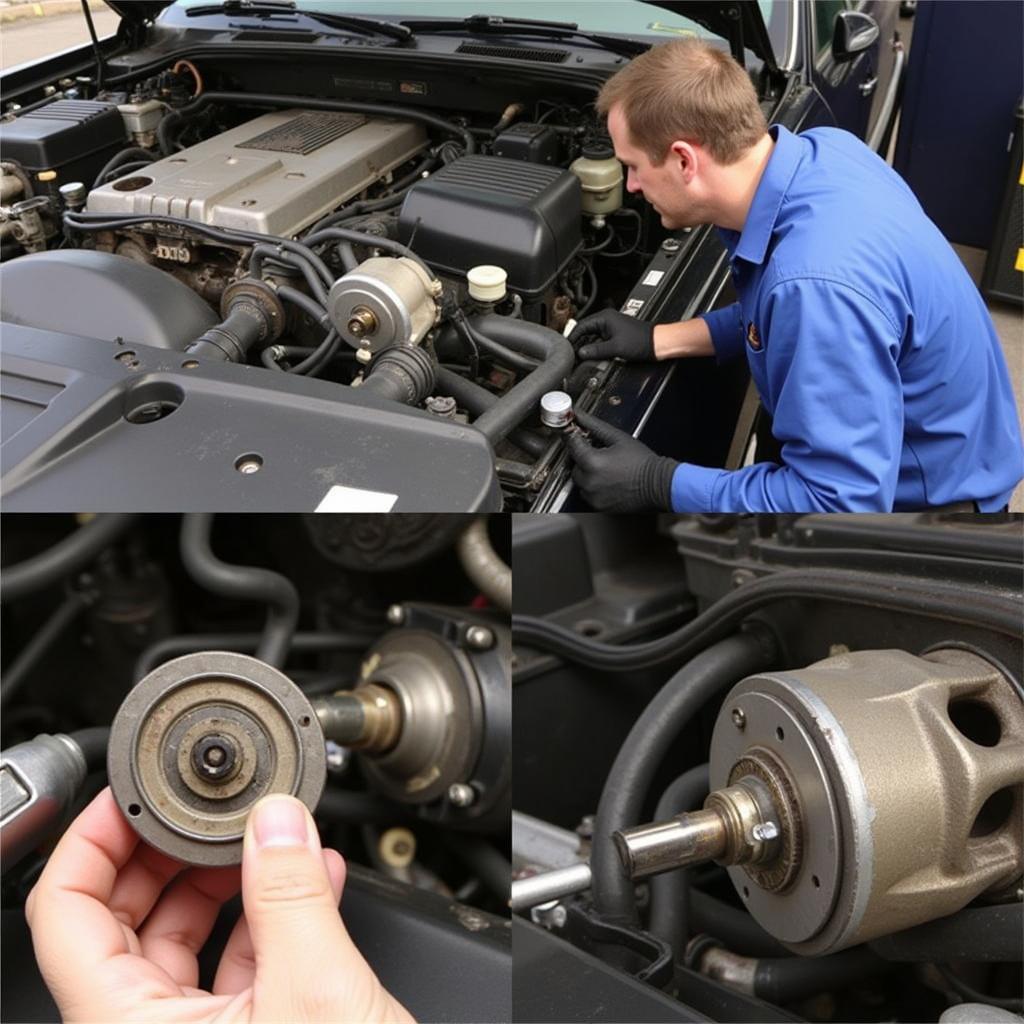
(95, 426)
(520, 216)
(75, 138)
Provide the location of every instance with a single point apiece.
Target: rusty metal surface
(199, 740)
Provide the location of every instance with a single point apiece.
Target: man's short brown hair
(686, 89)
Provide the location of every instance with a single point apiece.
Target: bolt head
(480, 638)
(461, 795)
(765, 831)
(396, 615)
(739, 718)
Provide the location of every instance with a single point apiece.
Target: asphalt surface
(31, 38)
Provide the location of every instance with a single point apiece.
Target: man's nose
(631, 183)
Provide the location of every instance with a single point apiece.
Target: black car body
(105, 406)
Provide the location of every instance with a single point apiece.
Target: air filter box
(483, 209)
(75, 138)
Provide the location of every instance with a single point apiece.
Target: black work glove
(609, 334)
(624, 475)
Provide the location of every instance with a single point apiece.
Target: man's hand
(624, 475)
(117, 927)
(611, 334)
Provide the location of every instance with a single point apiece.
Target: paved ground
(33, 37)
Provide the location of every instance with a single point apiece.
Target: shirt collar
(752, 244)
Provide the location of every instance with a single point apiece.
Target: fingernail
(279, 822)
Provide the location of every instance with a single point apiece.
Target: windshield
(626, 17)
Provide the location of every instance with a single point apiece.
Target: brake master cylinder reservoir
(860, 796)
(600, 176)
(199, 740)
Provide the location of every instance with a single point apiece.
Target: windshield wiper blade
(272, 8)
(490, 24)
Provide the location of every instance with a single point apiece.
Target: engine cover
(477, 210)
(274, 175)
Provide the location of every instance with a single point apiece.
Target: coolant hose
(476, 400)
(653, 733)
(67, 556)
(402, 373)
(670, 892)
(483, 566)
(554, 354)
(247, 583)
(255, 99)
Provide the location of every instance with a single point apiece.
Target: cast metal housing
(199, 740)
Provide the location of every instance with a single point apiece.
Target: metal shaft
(549, 885)
(687, 839)
(368, 718)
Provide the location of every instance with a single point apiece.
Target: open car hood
(739, 22)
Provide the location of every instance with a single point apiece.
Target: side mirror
(854, 33)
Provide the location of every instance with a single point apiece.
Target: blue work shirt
(868, 342)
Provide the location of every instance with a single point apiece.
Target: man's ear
(686, 159)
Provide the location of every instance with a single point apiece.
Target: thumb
(596, 350)
(307, 967)
(600, 430)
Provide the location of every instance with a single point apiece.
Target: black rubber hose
(670, 892)
(486, 862)
(93, 744)
(307, 304)
(554, 354)
(24, 664)
(128, 155)
(732, 926)
(89, 222)
(969, 994)
(351, 235)
(994, 934)
(653, 733)
(230, 340)
(905, 596)
(306, 103)
(66, 557)
(402, 374)
(476, 400)
(347, 805)
(248, 583)
(460, 325)
(263, 252)
(302, 643)
(784, 979)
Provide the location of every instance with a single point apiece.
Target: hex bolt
(461, 794)
(396, 615)
(671, 246)
(480, 638)
(739, 718)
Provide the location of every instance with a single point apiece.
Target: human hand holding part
(610, 334)
(624, 475)
(117, 925)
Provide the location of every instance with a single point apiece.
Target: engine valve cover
(273, 175)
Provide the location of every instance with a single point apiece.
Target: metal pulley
(199, 740)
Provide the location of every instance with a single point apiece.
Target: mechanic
(117, 926)
(868, 343)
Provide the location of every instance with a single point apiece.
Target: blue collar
(752, 243)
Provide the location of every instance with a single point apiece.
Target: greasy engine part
(384, 302)
(431, 715)
(863, 795)
(199, 740)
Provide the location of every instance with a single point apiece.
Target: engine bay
(432, 260)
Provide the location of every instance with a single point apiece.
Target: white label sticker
(633, 306)
(355, 499)
(653, 278)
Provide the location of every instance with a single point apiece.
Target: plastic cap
(556, 409)
(486, 283)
